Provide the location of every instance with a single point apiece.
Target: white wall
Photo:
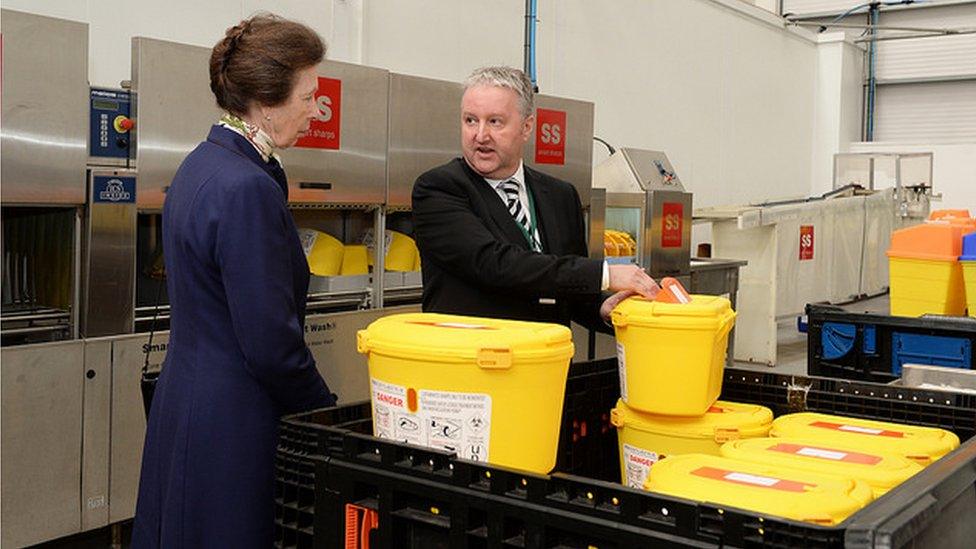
(953, 169)
(838, 105)
(113, 23)
(728, 96)
(717, 84)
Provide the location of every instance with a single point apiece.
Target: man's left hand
(611, 302)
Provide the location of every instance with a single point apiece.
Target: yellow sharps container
(487, 389)
(773, 490)
(645, 438)
(671, 355)
(922, 445)
(882, 470)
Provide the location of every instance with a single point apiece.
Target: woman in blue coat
(237, 281)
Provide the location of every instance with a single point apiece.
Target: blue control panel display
(109, 115)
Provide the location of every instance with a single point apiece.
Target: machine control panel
(109, 126)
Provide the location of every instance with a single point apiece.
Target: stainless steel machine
(646, 201)
(337, 174)
(44, 117)
(648, 206)
(42, 383)
(425, 131)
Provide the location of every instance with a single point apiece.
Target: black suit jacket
(476, 260)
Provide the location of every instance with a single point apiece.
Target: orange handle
(672, 292)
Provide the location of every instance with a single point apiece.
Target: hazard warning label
(637, 465)
(446, 420)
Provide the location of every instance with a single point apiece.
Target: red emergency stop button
(123, 123)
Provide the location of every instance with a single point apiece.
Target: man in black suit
(499, 239)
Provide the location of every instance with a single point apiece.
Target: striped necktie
(511, 189)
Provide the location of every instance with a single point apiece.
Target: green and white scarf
(254, 135)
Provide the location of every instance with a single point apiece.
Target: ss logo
(672, 222)
(324, 103)
(551, 133)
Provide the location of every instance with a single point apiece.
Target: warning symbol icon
(477, 423)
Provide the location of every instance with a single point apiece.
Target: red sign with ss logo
(550, 137)
(806, 242)
(324, 131)
(672, 220)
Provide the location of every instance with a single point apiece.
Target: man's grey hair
(505, 77)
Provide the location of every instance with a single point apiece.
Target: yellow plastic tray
(487, 389)
(922, 445)
(880, 469)
(780, 491)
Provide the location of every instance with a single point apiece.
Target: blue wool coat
(236, 359)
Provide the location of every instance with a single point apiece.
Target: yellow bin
(925, 275)
(922, 445)
(872, 463)
(671, 355)
(781, 491)
(646, 438)
(487, 389)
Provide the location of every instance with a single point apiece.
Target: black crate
(587, 441)
(869, 346)
(426, 498)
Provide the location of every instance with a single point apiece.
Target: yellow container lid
(781, 491)
(882, 469)
(704, 312)
(491, 343)
(722, 422)
(939, 240)
(920, 444)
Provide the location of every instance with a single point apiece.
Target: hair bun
(231, 41)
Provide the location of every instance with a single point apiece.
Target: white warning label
(637, 465)
(858, 429)
(456, 422)
(751, 479)
(308, 238)
(622, 367)
(821, 453)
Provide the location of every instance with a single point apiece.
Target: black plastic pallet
(427, 498)
(870, 346)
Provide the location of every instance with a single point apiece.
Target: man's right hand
(632, 278)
